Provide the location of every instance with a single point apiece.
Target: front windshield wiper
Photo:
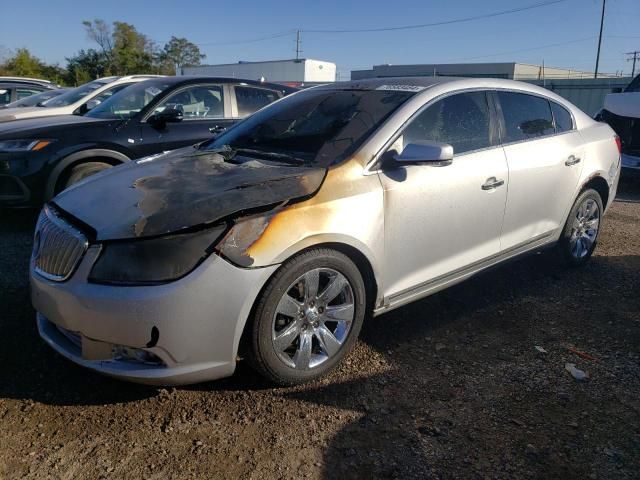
(281, 157)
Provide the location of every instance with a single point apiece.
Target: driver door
(204, 111)
(441, 219)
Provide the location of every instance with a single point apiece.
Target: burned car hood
(181, 189)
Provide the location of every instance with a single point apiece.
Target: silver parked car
(275, 240)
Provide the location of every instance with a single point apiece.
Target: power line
(633, 56)
(443, 22)
(252, 40)
(386, 29)
(531, 48)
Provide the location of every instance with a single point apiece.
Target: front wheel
(308, 317)
(84, 170)
(580, 234)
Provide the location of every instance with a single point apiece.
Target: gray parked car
(275, 240)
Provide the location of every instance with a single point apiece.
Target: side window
(525, 116)
(461, 120)
(251, 99)
(25, 92)
(201, 102)
(562, 118)
(5, 96)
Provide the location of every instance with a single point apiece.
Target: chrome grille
(58, 247)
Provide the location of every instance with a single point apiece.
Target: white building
(292, 72)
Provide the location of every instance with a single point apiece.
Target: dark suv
(40, 157)
(16, 88)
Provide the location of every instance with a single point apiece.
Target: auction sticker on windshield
(401, 88)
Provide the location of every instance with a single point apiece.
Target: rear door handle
(572, 160)
(491, 183)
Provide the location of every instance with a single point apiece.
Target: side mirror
(171, 114)
(420, 151)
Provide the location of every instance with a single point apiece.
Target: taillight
(619, 144)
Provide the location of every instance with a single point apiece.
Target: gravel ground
(448, 387)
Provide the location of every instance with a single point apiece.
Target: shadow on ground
(464, 392)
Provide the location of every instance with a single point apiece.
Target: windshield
(74, 95)
(319, 127)
(126, 103)
(33, 100)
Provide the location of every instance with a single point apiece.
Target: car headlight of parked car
(26, 145)
(156, 260)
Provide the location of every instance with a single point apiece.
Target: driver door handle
(491, 183)
(217, 129)
(572, 160)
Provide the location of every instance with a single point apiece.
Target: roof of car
(27, 81)
(391, 82)
(188, 79)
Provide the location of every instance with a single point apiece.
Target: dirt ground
(448, 387)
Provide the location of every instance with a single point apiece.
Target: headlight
(23, 145)
(154, 261)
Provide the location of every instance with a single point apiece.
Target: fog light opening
(122, 353)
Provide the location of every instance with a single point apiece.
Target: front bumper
(198, 320)
(22, 178)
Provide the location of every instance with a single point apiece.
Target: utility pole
(298, 44)
(633, 56)
(595, 75)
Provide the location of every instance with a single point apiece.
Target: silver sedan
(276, 240)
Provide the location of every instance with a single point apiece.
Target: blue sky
(563, 35)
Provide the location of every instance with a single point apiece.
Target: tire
(82, 171)
(580, 235)
(288, 313)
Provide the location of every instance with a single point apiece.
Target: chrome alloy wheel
(584, 230)
(313, 318)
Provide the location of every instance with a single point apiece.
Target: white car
(77, 101)
(275, 240)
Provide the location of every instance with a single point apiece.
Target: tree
(23, 64)
(101, 33)
(178, 52)
(85, 66)
(125, 50)
(132, 51)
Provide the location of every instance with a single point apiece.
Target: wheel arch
(112, 157)
(600, 185)
(356, 255)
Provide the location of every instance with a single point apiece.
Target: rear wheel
(308, 317)
(580, 235)
(82, 171)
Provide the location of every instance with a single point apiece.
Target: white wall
(278, 71)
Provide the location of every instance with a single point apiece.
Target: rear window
(525, 116)
(562, 118)
(250, 99)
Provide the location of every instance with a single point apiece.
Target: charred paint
(183, 189)
(256, 240)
